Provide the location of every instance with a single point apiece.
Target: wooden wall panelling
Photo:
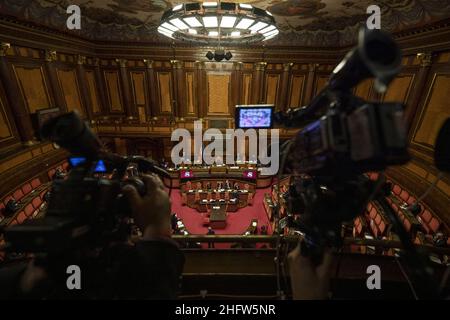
(179, 88)
(201, 88)
(283, 87)
(69, 86)
(434, 108)
(51, 58)
(309, 83)
(218, 93)
(81, 79)
(139, 93)
(297, 86)
(272, 87)
(364, 89)
(33, 87)
(102, 91)
(164, 83)
(423, 62)
(113, 91)
(258, 83)
(191, 96)
(8, 132)
(236, 83)
(129, 108)
(13, 97)
(151, 88)
(399, 89)
(246, 96)
(93, 92)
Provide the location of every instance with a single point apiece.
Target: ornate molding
(287, 66)
(260, 66)
(176, 64)
(122, 62)
(50, 55)
(4, 47)
(148, 63)
(81, 59)
(425, 59)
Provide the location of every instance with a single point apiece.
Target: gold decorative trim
(122, 62)
(50, 55)
(148, 63)
(81, 59)
(260, 66)
(425, 59)
(287, 66)
(4, 47)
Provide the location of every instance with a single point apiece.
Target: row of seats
(22, 191)
(62, 167)
(422, 227)
(31, 210)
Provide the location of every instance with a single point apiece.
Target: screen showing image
(186, 174)
(254, 117)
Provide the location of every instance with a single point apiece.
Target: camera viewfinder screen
(100, 167)
(254, 117)
(76, 161)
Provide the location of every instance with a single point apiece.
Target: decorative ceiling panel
(301, 22)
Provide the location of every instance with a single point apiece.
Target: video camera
(88, 207)
(342, 137)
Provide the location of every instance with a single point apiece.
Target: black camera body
(88, 208)
(343, 136)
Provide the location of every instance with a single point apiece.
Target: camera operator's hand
(151, 211)
(309, 281)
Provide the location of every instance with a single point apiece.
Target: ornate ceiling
(302, 22)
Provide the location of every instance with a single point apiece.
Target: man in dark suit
(209, 233)
(219, 185)
(227, 185)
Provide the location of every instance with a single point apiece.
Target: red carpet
(237, 222)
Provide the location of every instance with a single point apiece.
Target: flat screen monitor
(254, 116)
(186, 174)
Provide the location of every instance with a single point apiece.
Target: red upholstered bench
(35, 183)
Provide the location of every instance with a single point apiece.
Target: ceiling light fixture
(218, 23)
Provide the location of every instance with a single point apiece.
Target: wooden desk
(218, 218)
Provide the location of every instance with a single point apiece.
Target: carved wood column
(201, 88)
(179, 106)
(258, 82)
(101, 88)
(309, 93)
(236, 82)
(85, 97)
(151, 89)
(20, 112)
(50, 58)
(284, 87)
(130, 109)
(426, 60)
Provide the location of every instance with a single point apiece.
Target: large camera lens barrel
(376, 55)
(70, 132)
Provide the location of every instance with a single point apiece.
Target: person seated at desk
(227, 185)
(219, 185)
(208, 186)
(236, 186)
